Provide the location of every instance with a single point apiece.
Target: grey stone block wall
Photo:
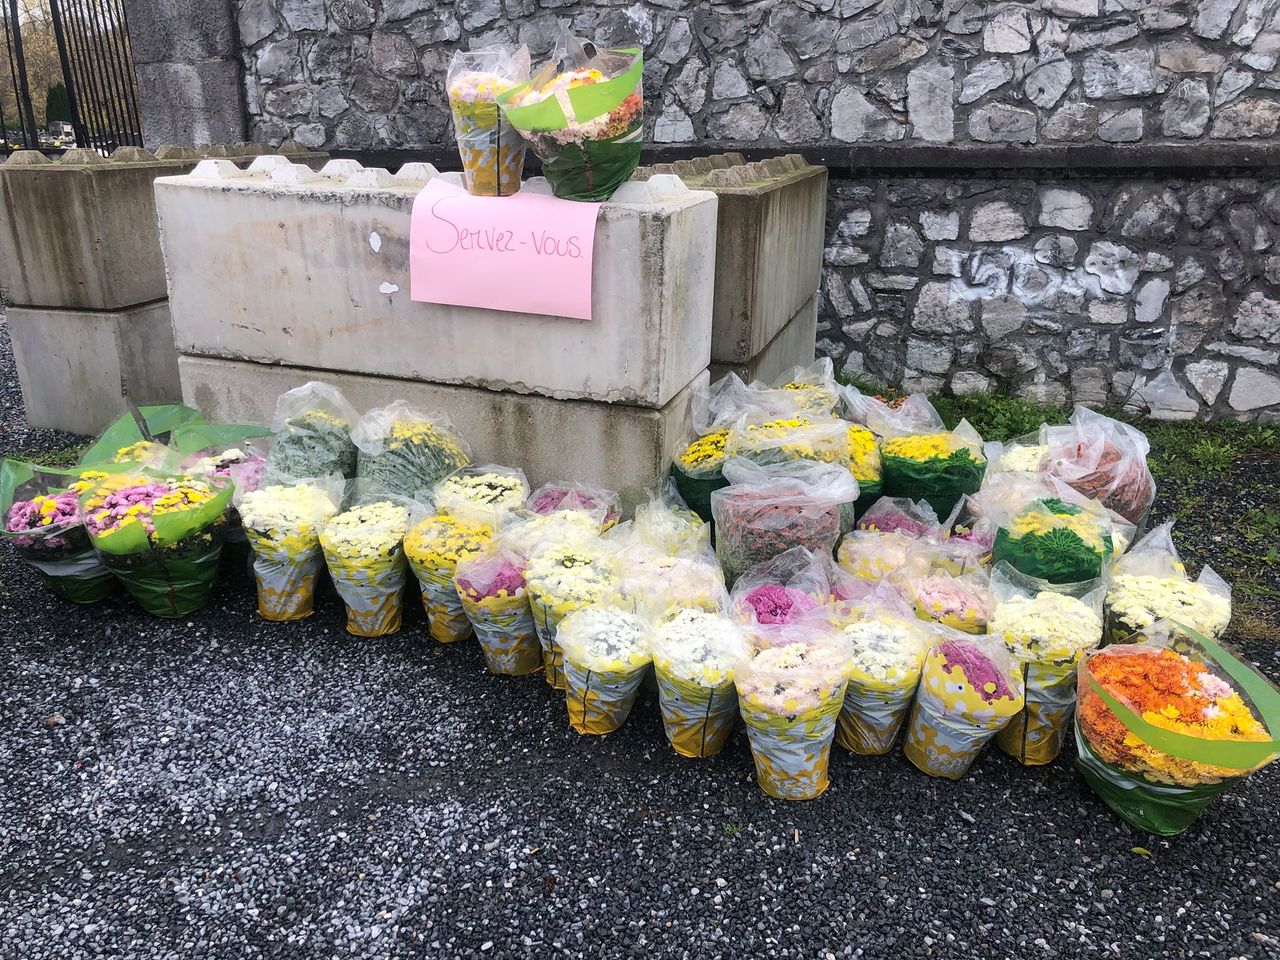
(361, 73)
(1162, 294)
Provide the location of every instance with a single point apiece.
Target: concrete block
(316, 275)
(623, 447)
(794, 346)
(191, 103)
(769, 242)
(75, 366)
(181, 30)
(82, 232)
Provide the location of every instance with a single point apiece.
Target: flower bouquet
(1047, 630)
(405, 451)
(583, 122)
(312, 429)
(962, 603)
(606, 655)
(119, 442)
(1025, 455)
(364, 551)
(698, 470)
(495, 598)
(492, 151)
(40, 507)
(766, 510)
(892, 417)
(160, 535)
(790, 694)
(1150, 591)
(1103, 460)
(433, 548)
(967, 540)
(231, 450)
(490, 487)
(1057, 540)
(561, 495)
(786, 589)
(969, 689)
(887, 648)
(814, 388)
(665, 524)
(695, 653)
(660, 583)
(282, 523)
(872, 556)
(563, 578)
(940, 467)
(766, 439)
(1161, 731)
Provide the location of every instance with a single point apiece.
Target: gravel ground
(223, 787)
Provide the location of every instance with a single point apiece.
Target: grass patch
(64, 457)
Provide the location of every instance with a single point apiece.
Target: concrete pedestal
(620, 446)
(769, 239)
(792, 347)
(283, 267)
(75, 366)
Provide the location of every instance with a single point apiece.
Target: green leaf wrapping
(941, 481)
(161, 420)
(1059, 556)
(696, 491)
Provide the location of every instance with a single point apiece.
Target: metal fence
(94, 63)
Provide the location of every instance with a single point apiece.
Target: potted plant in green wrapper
(161, 535)
(116, 444)
(1059, 541)
(1162, 728)
(41, 520)
(583, 115)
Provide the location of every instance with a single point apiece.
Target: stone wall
(1056, 197)
(370, 73)
(1160, 293)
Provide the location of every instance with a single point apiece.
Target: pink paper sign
(528, 253)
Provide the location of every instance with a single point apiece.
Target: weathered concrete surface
(81, 232)
(75, 366)
(316, 274)
(794, 346)
(769, 242)
(617, 445)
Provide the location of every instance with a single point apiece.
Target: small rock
(996, 221)
(983, 77)
(1003, 123)
(1115, 266)
(1253, 389)
(1067, 209)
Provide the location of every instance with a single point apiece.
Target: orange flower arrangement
(1171, 691)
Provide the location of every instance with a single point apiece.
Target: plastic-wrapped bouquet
(698, 469)
(406, 451)
(1161, 731)
(766, 510)
(970, 688)
(786, 589)
(434, 548)
(160, 535)
(1103, 460)
(495, 598)
(1151, 592)
(583, 120)
(937, 466)
(551, 498)
(312, 429)
(962, 603)
(1058, 540)
(814, 387)
(659, 582)
(790, 694)
(1047, 630)
(887, 647)
(489, 486)
(283, 524)
(364, 551)
(40, 507)
(1027, 455)
(695, 653)
(606, 655)
(564, 577)
(492, 151)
